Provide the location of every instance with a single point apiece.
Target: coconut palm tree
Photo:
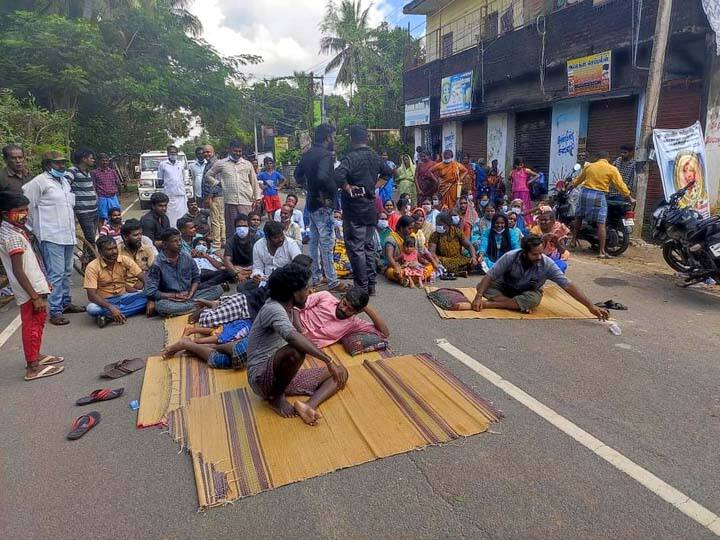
(348, 35)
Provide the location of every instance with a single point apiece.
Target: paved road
(651, 394)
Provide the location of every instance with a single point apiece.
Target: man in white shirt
(52, 221)
(273, 251)
(171, 175)
(197, 168)
(297, 215)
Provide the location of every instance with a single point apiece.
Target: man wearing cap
(15, 174)
(52, 221)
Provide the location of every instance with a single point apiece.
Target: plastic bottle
(614, 329)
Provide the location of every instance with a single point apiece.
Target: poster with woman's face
(688, 169)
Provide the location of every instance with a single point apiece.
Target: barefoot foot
(309, 415)
(283, 407)
(172, 350)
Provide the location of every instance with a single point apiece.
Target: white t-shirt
(264, 262)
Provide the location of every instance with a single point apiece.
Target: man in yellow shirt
(595, 181)
(106, 281)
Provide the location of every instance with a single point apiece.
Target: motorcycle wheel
(674, 256)
(618, 246)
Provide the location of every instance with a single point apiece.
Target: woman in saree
(447, 243)
(468, 215)
(406, 178)
(425, 184)
(393, 248)
(450, 176)
(471, 177)
(382, 232)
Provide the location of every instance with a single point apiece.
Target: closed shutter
(532, 139)
(679, 107)
(611, 123)
(474, 139)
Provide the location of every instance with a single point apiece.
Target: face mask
(338, 223)
(383, 224)
(447, 160)
(516, 210)
(436, 202)
(499, 229)
(440, 229)
(233, 158)
(484, 203)
(172, 159)
(456, 220)
(242, 232)
(201, 248)
(469, 197)
(505, 209)
(57, 174)
(427, 208)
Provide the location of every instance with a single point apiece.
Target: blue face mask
(242, 232)
(456, 220)
(172, 158)
(56, 174)
(484, 202)
(440, 229)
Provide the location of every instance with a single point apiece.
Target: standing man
(241, 191)
(86, 201)
(626, 165)
(15, 174)
(107, 185)
(595, 181)
(213, 198)
(356, 176)
(52, 222)
(197, 168)
(315, 171)
(171, 175)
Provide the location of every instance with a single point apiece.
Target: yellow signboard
(589, 74)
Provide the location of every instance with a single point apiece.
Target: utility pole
(652, 97)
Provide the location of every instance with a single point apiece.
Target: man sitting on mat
(515, 281)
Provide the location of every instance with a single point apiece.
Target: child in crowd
(223, 334)
(338, 228)
(204, 257)
(271, 181)
(413, 264)
(28, 282)
(113, 224)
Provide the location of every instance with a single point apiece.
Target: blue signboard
(456, 94)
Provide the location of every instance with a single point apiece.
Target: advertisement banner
(589, 74)
(417, 112)
(680, 155)
(456, 94)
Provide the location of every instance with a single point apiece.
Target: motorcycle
(619, 224)
(691, 243)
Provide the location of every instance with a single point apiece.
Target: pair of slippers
(82, 424)
(609, 304)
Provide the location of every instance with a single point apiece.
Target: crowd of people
(451, 218)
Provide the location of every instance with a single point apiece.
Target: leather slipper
(47, 371)
(123, 367)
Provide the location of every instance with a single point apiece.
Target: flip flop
(123, 367)
(604, 257)
(83, 424)
(448, 277)
(609, 304)
(47, 371)
(50, 359)
(105, 394)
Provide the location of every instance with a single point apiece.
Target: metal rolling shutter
(679, 107)
(611, 123)
(532, 139)
(474, 139)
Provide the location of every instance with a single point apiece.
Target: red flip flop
(83, 424)
(105, 394)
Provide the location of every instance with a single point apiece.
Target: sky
(284, 32)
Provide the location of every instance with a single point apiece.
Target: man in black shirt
(156, 222)
(357, 176)
(315, 172)
(239, 250)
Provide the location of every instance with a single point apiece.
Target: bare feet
(309, 415)
(283, 407)
(172, 350)
(189, 331)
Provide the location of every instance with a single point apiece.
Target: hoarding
(589, 74)
(417, 112)
(456, 95)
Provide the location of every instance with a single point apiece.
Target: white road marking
(130, 206)
(665, 491)
(9, 330)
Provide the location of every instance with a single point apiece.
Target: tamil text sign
(417, 112)
(589, 74)
(456, 94)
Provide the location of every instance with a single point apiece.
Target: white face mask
(505, 209)
(456, 220)
(484, 202)
(427, 208)
(383, 224)
(201, 248)
(499, 229)
(516, 210)
(242, 232)
(447, 160)
(338, 223)
(440, 229)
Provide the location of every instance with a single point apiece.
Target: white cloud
(284, 32)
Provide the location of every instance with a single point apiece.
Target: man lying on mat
(276, 349)
(515, 281)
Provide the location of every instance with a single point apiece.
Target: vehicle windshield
(150, 163)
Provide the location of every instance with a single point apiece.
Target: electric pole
(652, 97)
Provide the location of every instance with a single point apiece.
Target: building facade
(546, 80)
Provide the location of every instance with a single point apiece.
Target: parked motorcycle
(619, 224)
(691, 243)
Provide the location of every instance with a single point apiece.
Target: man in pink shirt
(326, 319)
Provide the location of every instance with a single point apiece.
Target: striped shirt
(15, 241)
(82, 187)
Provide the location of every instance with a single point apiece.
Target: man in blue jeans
(52, 221)
(316, 172)
(106, 281)
(173, 282)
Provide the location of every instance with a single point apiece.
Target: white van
(148, 183)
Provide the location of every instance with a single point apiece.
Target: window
(447, 45)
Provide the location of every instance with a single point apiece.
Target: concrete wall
(569, 125)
